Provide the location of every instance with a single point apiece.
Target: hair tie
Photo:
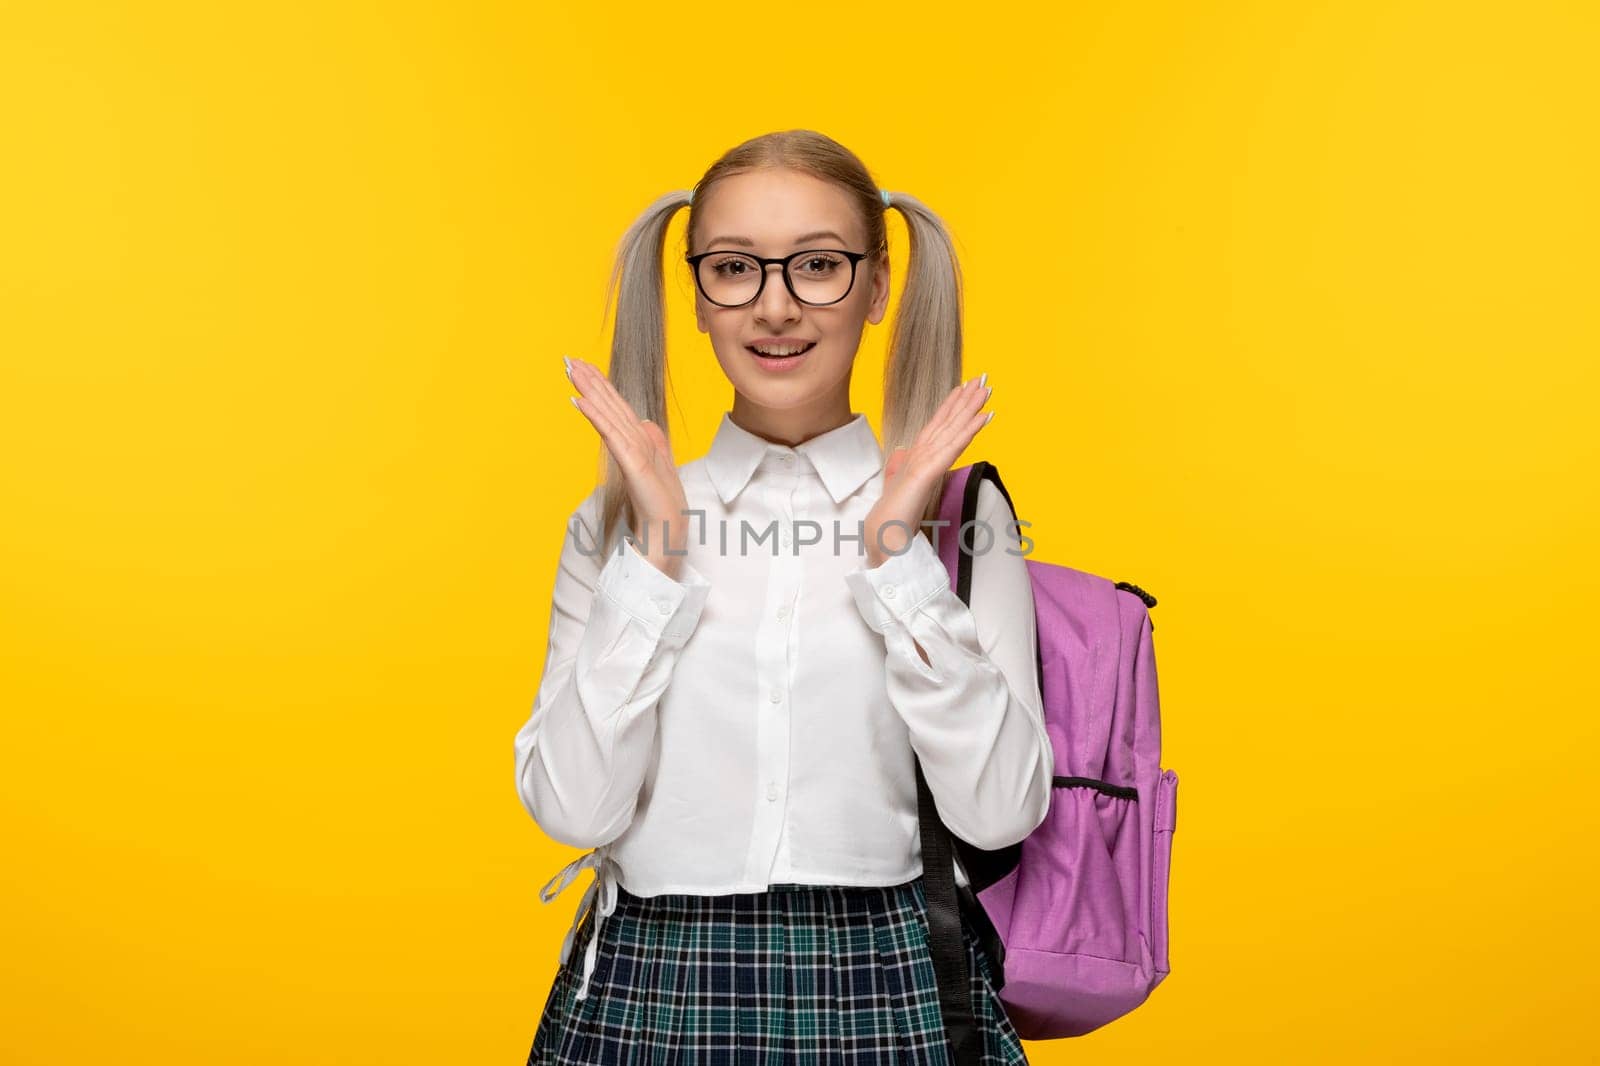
(885, 194)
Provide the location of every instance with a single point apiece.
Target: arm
(965, 680)
(615, 634)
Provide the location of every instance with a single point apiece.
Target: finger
(626, 451)
(974, 426)
(606, 395)
(948, 448)
(937, 424)
(931, 451)
(966, 400)
(613, 416)
(590, 411)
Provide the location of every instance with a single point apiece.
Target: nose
(775, 304)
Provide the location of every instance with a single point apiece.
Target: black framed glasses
(816, 276)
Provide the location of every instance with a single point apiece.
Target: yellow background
(1290, 311)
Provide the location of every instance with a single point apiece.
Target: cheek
(837, 350)
(843, 331)
(726, 341)
(725, 345)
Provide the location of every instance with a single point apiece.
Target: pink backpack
(1074, 917)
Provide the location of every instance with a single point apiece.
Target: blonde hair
(924, 361)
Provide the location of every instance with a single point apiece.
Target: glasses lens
(729, 278)
(820, 276)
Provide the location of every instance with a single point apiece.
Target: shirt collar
(844, 457)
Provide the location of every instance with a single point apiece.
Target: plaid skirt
(825, 975)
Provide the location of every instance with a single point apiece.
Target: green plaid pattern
(814, 974)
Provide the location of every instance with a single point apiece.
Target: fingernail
(983, 379)
(574, 400)
(568, 363)
(986, 421)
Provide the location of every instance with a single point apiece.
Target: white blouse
(754, 722)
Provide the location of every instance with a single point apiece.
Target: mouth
(779, 352)
(773, 362)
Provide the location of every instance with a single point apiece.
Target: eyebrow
(748, 243)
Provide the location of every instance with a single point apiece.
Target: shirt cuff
(668, 609)
(885, 594)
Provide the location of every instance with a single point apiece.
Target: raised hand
(645, 458)
(911, 474)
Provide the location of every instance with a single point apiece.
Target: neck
(790, 426)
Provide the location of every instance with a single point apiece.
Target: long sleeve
(973, 709)
(615, 634)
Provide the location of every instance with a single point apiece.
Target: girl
(737, 682)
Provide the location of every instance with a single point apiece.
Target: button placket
(773, 717)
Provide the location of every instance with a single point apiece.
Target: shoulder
(999, 527)
(993, 508)
(991, 500)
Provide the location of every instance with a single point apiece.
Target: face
(772, 213)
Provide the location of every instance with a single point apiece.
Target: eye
(731, 268)
(819, 264)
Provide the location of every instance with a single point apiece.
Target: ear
(699, 311)
(880, 290)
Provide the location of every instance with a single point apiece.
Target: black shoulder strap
(945, 940)
(946, 900)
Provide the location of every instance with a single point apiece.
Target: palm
(911, 474)
(644, 456)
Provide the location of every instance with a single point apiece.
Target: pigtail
(638, 368)
(924, 361)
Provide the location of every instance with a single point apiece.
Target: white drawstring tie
(605, 884)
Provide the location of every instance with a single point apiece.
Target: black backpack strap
(946, 900)
(984, 868)
(945, 939)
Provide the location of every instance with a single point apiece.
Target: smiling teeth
(789, 349)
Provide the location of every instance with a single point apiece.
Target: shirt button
(783, 612)
(664, 606)
(888, 591)
(774, 696)
(772, 791)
